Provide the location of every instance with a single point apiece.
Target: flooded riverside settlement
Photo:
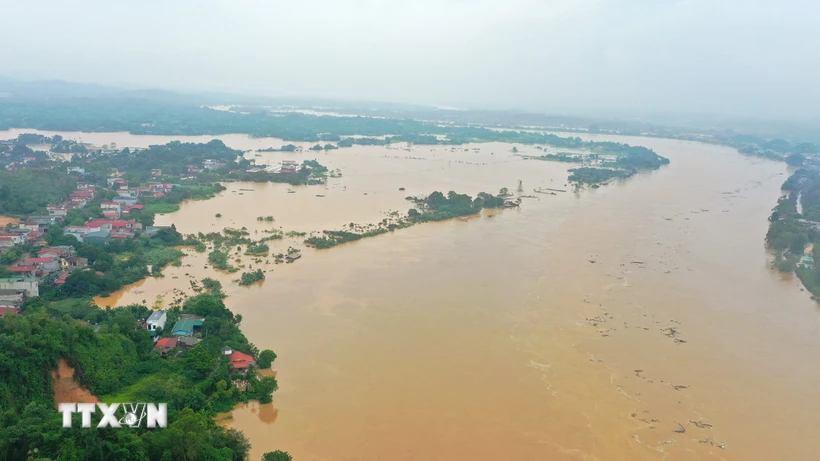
(638, 321)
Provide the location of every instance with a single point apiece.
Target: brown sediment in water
(66, 389)
(499, 338)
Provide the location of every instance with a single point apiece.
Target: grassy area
(162, 208)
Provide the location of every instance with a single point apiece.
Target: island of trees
(435, 207)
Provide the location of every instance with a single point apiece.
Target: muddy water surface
(639, 321)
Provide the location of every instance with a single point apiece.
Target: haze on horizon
(629, 57)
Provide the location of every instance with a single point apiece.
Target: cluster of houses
(156, 189)
(51, 260)
(14, 290)
(59, 261)
(283, 167)
(184, 337)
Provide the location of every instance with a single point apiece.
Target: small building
(75, 169)
(807, 262)
(57, 210)
(187, 325)
(74, 263)
(156, 321)
(61, 280)
(99, 238)
(46, 264)
(11, 296)
(29, 285)
(125, 201)
(23, 271)
(166, 345)
(226, 350)
(240, 362)
(187, 342)
(156, 172)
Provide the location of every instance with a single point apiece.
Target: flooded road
(639, 321)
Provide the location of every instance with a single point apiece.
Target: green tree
(199, 361)
(277, 455)
(266, 358)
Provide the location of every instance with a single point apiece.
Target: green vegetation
(266, 359)
(257, 249)
(790, 232)
(219, 260)
(249, 278)
(118, 363)
(559, 157)
(436, 207)
(28, 191)
(119, 263)
(587, 175)
(277, 455)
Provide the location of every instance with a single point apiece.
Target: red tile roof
(39, 260)
(50, 250)
(61, 280)
(166, 343)
(22, 268)
(8, 310)
(240, 360)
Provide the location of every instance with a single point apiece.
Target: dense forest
(28, 191)
(118, 363)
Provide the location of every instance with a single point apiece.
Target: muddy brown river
(639, 321)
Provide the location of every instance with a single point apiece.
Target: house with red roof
(166, 345)
(45, 264)
(61, 280)
(240, 362)
(27, 271)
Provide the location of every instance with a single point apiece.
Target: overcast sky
(746, 57)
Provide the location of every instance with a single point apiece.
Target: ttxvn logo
(117, 414)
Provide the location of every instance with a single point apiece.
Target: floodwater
(639, 321)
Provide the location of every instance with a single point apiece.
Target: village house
(165, 345)
(187, 325)
(156, 172)
(74, 263)
(187, 342)
(11, 297)
(43, 222)
(46, 265)
(29, 225)
(111, 209)
(157, 320)
(57, 210)
(119, 181)
(14, 237)
(23, 271)
(289, 167)
(125, 201)
(99, 238)
(29, 285)
(240, 362)
(131, 208)
(6, 242)
(75, 169)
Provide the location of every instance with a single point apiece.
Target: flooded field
(639, 321)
